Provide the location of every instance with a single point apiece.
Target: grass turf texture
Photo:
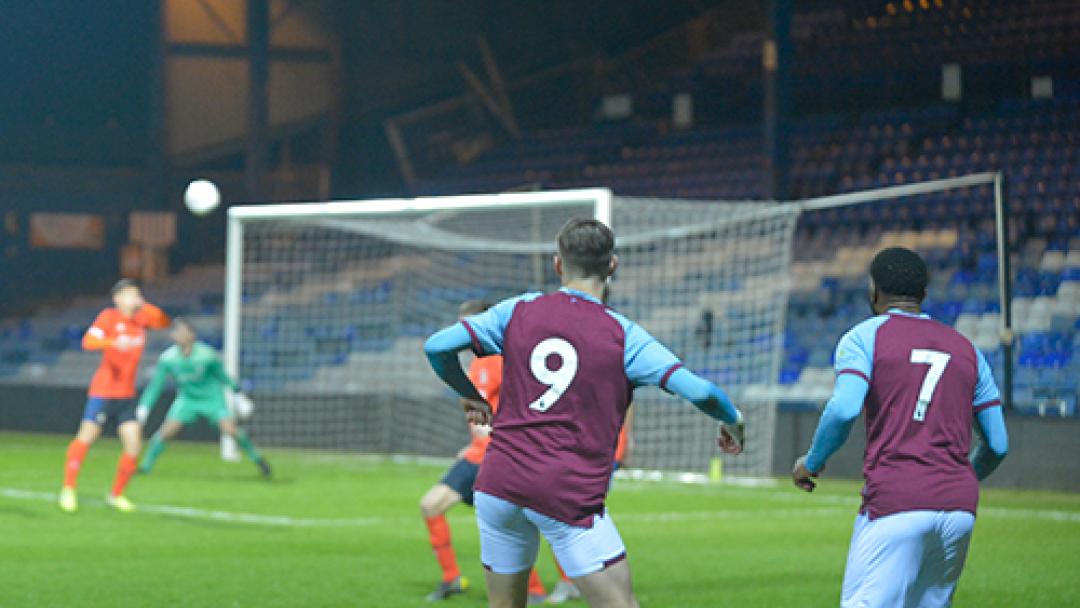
(355, 537)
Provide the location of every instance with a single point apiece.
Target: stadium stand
(834, 148)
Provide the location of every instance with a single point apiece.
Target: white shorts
(906, 560)
(510, 537)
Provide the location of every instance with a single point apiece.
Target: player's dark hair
(586, 247)
(123, 284)
(183, 321)
(473, 307)
(900, 272)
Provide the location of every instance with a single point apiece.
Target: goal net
(328, 305)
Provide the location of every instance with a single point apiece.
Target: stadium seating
(1036, 142)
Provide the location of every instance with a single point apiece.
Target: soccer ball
(202, 197)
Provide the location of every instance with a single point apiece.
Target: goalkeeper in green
(200, 381)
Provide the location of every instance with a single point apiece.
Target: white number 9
(557, 380)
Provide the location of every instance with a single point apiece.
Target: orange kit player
(120, 334)
(457, 485)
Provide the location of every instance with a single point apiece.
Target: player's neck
(186, 350)
(904, 305)
(592, 286)
(127, 312)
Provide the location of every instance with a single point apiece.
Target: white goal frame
(239, 215)
(600, 198)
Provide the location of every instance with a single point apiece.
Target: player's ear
(871, 296)
(613, 265)
(556, 262)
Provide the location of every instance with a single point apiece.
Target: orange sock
(76, 453)
(562, 574)
(535, 586)
(124, 470)
(439, 531)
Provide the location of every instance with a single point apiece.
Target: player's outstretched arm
(151, 393)
(217, 370)
(994, 446)
(442, 350)
(715, 403)
(706, 396)
(833, 429)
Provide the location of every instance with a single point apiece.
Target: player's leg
(89, 431)
(508, 545)
(130, 432)
(537, 593)
(610, 587)
(593, 557)
(884, 558)
(943, 560)
(565, 590)
(456, 486)
(227, 424)
(169, 429)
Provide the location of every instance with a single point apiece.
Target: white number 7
(557, 380)
(937, 361)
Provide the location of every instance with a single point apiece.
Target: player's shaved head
(183, 332)
(184, 323)
(586, 247)
(126, 296)
(122, 285)
(900, 272)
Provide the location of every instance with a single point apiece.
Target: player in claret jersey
(922, 384)
(120, 334)
(570, 365)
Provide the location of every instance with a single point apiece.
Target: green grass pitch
(339, 530)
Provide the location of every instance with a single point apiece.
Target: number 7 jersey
(927, 382)
(570, 365)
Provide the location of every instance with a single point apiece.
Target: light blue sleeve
(855, 351)
(487, 328)
(442, 350)
(993, 443)
(705, 395)
(986, 390)
(840, 413)
(647, 361)
(989, 452)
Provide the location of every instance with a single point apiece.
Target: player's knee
(432, 503)
(428, 506)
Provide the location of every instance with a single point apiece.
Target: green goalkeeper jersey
(200, 377)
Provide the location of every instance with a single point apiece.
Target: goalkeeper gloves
(242, 405)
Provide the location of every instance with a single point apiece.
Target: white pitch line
(287, 521)
(214, 515)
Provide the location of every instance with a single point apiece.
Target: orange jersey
(121, 340)
(620, 447)
(486, 376)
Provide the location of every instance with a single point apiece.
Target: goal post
(1002, 244)
(327, 306)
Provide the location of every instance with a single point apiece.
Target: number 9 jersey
(570, 365)
(927, 382)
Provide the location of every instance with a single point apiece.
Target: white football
(202, 197)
